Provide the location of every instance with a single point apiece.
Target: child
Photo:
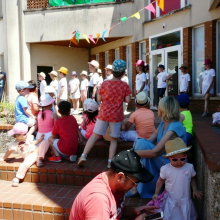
(143, 119)
(184, 80)
(112, 94)
(46, 117)
(64, 139)
(22, 111)
(216, 117)
(43, 84)
(62, 85)
(108, 72)
(74, 92)
(84, 86)
(186, 116)
(88, 123)
(178, 175)
(25, 146)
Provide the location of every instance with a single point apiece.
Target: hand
(146, 209)
(42, 136)
(155, 196)
(198, 194)
(141, 217)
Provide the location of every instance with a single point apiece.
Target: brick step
(61, 173)
(101, 148)
(30, 201)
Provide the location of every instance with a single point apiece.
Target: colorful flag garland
(150, 7)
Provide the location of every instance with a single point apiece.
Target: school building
(35, 36)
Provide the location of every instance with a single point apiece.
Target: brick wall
(197, 105)
(102, 63)
(122, 53)
(32, 4)
(111, 56)
(147, 51)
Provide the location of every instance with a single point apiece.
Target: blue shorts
(161, 92)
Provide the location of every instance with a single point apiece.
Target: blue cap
(119, 65)
(23, 85)
(161, 66)
(183, 100)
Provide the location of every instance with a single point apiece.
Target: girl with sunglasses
(179, 177)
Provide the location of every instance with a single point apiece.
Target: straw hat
(175, 146)
(142, 99)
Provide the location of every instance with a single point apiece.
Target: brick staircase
(48, 193)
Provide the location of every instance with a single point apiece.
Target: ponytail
(91, 116)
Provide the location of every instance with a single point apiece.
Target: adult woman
(151, 155)
(54, 83)
(207, 84)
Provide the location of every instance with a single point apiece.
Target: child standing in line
(65, 134)
(84, 86)
(178, 175)
(62, 93)
(186, 116)
(88, 123)
(112, 94)
(184, 80)
(43, 84)
(26, 147)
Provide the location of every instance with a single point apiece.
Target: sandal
(15, 182)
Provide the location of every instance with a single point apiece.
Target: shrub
(7, 111)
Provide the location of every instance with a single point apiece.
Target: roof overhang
(215, 4)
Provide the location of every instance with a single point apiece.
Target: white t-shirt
(84, 84)
(109, 77)
(54, 84)
(183, 81)
(94, 79)
(100, 81)
(72, 85)
(63, 83)
(140, 78)
(207, 77)
(161, 77)
(43, 85)
(124, 79)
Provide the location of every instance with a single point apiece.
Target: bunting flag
(91, 38)
(74, 32)
(77, 36)
(74, 40)
(103, 34)
(136, 15)
(123, 19)
(85, 36)
(151, 8)
(111, 29)
(98, 36)
(160, 3)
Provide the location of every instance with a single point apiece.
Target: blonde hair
(170, 109)
(55, 78)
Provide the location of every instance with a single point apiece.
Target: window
(198, 58)
(218, 57)
(169, 5)
(129, 65)
(97, 58)
(106, 58)
(1, 14)
(142, 51)
(117, 54)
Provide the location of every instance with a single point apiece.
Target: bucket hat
(207, 61)
(94, 63)
(53, 73)
(140, 63)
(63, 70)
(73, 73)
(46, 100)
(99, 71)
(84, 73)
(119, 65)
(142, 99)
(175, 146)
(42, 74)
(108, 67)
(23, 85)
(19, 128)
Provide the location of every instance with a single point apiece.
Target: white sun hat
(84, 73)
(142, 99)
(46, 100)
(108, 67)
(94, 63)
(42, 74)
(53, 73)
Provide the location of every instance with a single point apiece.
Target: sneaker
(82, 161)
(204, 114)
(55, 159)
(109, 165)
(15, 182)
(73, 158)
(75, 112)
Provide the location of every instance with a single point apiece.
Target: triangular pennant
(98, 36)
(160, 3)
(85, 36)
(91, 38)
(111, 29)
(136, 15)
(73, 39)
(123, 19)
(103, 34)
(74, 32)
(77, 36)
(151, 8)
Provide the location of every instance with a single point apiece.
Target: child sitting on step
(186, 116)
(65, 134)
(26, 147)
(90, 116)
(179, 177)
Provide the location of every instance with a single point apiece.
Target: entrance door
(171, 59)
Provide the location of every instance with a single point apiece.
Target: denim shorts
(101, 127)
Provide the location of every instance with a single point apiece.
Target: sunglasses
(179, 159)
(135, 184)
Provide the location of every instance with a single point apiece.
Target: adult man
(103, 197)
(2, 82)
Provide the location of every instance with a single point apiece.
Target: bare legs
(206, 106)
(75, 104)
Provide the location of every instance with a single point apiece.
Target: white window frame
(193, 67)
(117, 49)
(182, 5)
(97, 57)
(106, 58)
(129, 75)
(217, 58)
(140, 51)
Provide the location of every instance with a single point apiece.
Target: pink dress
(177, 202)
